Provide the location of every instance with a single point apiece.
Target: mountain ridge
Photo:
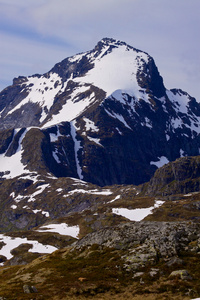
(118, 121)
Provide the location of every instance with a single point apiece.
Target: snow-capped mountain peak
(94, 75)
(115, 67)
(103, 116)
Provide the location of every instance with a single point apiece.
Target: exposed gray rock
(174, 261)
(182, 274)
(164, 238)
(154, 272)
(146, 242)
(29, 289)
(138, 274)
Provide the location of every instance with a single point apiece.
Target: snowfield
(62, 229)
(12, 243)
(119, 69)
(137, 214)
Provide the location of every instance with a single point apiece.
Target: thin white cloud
(22, 56)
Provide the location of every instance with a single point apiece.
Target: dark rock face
(5, 139)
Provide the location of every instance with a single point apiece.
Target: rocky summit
(99, 181)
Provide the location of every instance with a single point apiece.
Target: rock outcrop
(145, 243)
(179, 177)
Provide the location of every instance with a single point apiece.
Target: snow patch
(137, 214)
(161, 162)
(181, 153)
(72, 108)
(13, 206)
(119, 117)
(12, 243)
(19, 198)
(179, 100)
(62, 229)
(106, 192)
(12, 165)
(116, 198)
(46, 213)
(94, 140)
(77, 146)
(54, 136)
(119, 131)
(40, 189)
(90, 126)
(55, 156)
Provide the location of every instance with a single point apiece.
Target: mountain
(99, 181)
(103, 116)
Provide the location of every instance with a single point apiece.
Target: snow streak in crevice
(77, 146)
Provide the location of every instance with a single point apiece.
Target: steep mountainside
(179, 177)
(103, 116)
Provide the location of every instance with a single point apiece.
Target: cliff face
(179, 177)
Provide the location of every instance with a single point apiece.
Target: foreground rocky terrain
(156, 258)
(153, 260)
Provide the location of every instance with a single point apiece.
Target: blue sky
(36, 34)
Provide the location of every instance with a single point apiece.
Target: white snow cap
(115, 67)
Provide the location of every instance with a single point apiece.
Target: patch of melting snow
(12, 243)
(93, 192)
(62, 229)
(46, 213)
(161, 162)
(12, 164)
(40, 190)
(116, 198)
(19, 198)
(137, 214)
(90, 126)
(32, 176)
(95, 140)
(13, 206)
(77, 146)
(78, 181)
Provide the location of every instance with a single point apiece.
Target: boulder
(182, 274)
(29, 289)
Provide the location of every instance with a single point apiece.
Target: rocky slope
(179, 177)
(151, 260)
